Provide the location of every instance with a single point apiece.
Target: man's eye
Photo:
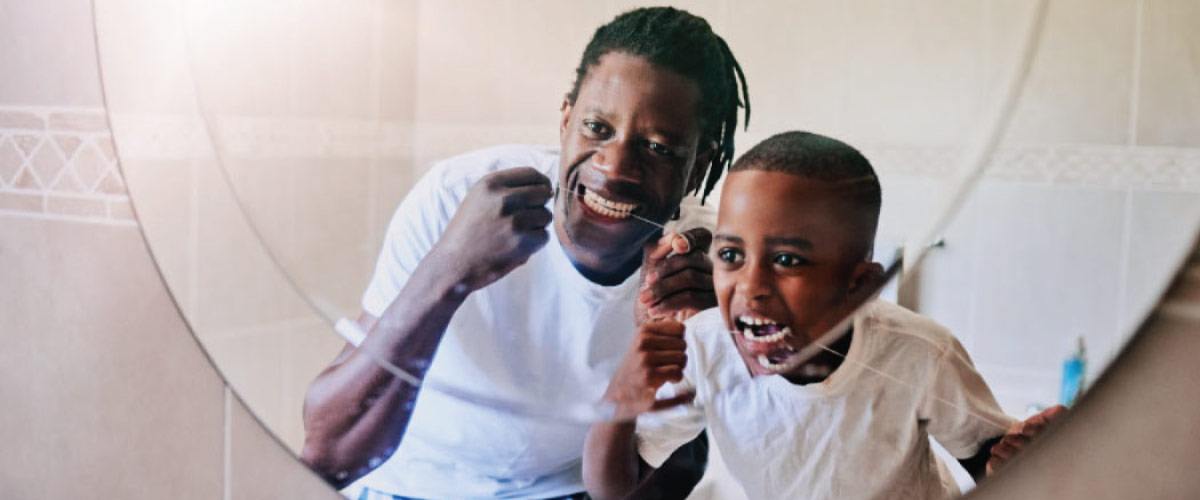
(658, 148)
(729, 255)
(595, 127)
(790, 260)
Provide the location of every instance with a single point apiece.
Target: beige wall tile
(395, 49)
(260, 467)
(112, 397)
(238, 285)
(548, 38)
(47, 51)
(465, 53)
(913, 71)
(1169, 84)
(331, 258)
(1079, 85)
(143, 50)
(251, 360)
(793, 55)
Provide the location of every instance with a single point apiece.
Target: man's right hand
(500, 223)
(656, 356)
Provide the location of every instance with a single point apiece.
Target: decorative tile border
(61, 164)
(1115, 167)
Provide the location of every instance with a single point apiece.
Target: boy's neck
(820, 367)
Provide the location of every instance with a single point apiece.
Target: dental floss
(999, 425)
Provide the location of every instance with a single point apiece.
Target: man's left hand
(676, 277)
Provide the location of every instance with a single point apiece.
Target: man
(464, 274)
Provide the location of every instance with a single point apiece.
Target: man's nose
(618, 160)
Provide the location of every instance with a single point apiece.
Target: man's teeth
(606, 206)
(750, 320)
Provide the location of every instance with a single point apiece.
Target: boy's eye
(790, 260)
(729, 255)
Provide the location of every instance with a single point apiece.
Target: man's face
(629, 145)
(786, 263)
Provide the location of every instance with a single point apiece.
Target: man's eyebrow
(727, 237)
(789, 241)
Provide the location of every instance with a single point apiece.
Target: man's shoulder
(468, 168)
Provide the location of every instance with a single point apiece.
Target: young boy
(792, 258)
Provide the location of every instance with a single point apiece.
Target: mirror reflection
(338, 175)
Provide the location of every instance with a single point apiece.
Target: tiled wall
(1072, 233)
(107, 393)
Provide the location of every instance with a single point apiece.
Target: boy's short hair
(684, 43)
(820, 158)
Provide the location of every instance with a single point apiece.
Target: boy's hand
(676, 277)
(656, 356)
(1020, 435)
(500, 223)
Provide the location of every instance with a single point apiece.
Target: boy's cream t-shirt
(861, 434)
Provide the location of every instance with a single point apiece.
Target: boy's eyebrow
(789, 241)
(727, 237)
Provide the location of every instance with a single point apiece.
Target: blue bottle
(1074, 375)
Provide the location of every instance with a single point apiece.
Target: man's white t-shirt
(863, 433)
(543, 340)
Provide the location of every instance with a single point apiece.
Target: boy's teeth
(783, 333)
(606, 206)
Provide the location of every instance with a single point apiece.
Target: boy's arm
(657, 355)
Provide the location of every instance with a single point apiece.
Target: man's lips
(605, 206)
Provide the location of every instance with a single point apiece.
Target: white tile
(1162, 228)
(1047, 272)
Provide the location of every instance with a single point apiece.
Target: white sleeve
(415, 227)
(959, 409)
(660, 433)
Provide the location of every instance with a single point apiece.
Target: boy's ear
(865, 280)
(700, 167)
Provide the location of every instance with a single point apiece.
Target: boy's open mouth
(768, 341)
(605, 206)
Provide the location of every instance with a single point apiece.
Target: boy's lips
(766, 341)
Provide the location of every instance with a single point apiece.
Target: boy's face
(630, 143)
(788, 264)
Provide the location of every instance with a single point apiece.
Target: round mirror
(268, 147)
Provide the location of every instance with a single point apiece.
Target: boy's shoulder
(898, 326)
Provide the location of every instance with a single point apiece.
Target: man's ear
(566, 115)
(703, 160)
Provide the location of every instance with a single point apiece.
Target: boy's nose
(617, 160)
(754, 283)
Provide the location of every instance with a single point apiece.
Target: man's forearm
(355, 412)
